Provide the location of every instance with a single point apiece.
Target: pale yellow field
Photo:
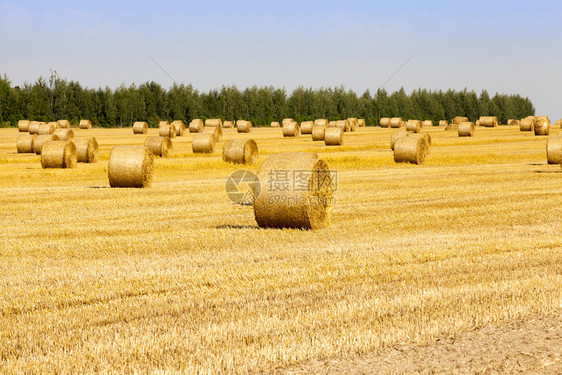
(177, 278)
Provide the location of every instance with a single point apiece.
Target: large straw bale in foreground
(179, 126)
(130, 166)
(140, 127)
(333, 136)
(64, 134)
(306, 127)
(542, 127)
(399, 134)
(291, 129)
(196, 126)
(203, 143)
(411, 150)
(306, 204)
(23, 126)
(167, 130)
(554, 149)
(384, 122)
(24, 143)
(318, 132)
(414, 126)
(396, 122)
(41, 140)
(239, 151)
(87, 149)
(217, 122)
(85, 124)
(243, 126)
(466, 129)
(46, 129)
(58, 154)
(160, 146)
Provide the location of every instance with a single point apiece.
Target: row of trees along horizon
(57, 98)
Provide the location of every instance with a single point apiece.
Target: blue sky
(501, 46)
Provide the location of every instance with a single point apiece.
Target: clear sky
(500, 46)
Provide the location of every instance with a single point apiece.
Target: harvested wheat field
(419, 261)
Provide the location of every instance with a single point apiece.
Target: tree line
(58, 98)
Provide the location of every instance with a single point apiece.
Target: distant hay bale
(332, 123)
(160, 146)
(56, 124)
(488, 121)
(306, 127)
(427, 123)
(34, 127)
(333, 136)
(228, 124)
(318, 132)
(58, 154)
(41, 140)
(140, 127)
(23, 126)
(287, 121)
(513, 122)
(531, 117)
(216, 122)
(238, 151)
(443, 123)
(275, 124)
(321, 121)
(396, 135)
(46, 129)
(384, 122)
(85, 124)
(477, 123)
(544, 118)
(130, 166)
(410, 150)
(353, 124)
(542, 127)
(414, 126)
(167, 130)
(396, 122)
(243, 126)
(527, 125)
(558, 122)
(64, 134)
(554, 149)
(361, 122)
(344, 124)
(203, 143)
(458, 119)
(163, 123)
(25, 143)
(179, 126)
(452, 126)
(87, 150)
(466, 129)
(196, 126)
(64, 124)
(215, 131)
(306, 204)
(291, 129)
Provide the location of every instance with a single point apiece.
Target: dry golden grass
(176, 278)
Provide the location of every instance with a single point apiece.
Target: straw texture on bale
(344, 124)
(466, 129)
(130, 166)
(488, 121)
(318, 132)
(544, 118)
(140, 127)
(64, 124)
(167, 131)
(291, 129)
(396, 122)
(414, 126)
(179, 126)
(542, 127)
(458, 119)
(353, 124)
(241, 152)
(558, 122)
(287, 121)
(332, 123)
(410, 150)
(196, 126)
(321, 121)
(25, 143)
(243, 126)
(215, 131)
(527, 125)
(85, 124)
(275, 124)
(23, 126)
(333, 136)
(58, 154)
(64, 134)
(56, 124)
(46, 129)
(213, 122)
(160, 146)
(513, 122)
(87, 150)
(427, 123)
(554, 149)
(162, 123)
(361, 122)
(34, 127)
(452, 126)
(41, 140)
(425, 136)
(307, 205)
(384, 122)
(306, 127)
(443, 123)
(203, 143)
(228, 124)
(399, 134)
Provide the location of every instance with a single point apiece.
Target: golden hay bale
(213, 122)
(25, 143)
(228, 124)
(196, 126)
(333, 136)
(384, 122)
(85, 124)
(243, 126)
(160, 146)
(140, 127)
(162, 123)
(46, 129)
(396, 122)
(452, 126)
(544, 118)
(321, 121)
(458, 119)
(554, 149)
(344, 124)
(558, 122)
(87, 149)
(275, 124)
(203, 143)
(238, 151)
(531, 117)
(361, 122)
(399, 134)
(527, 125)
(542, 127)
(287, 121)
(306, 127)
(307, 204)
(64, 124)
(425, 136)
(353, 124)
(167, 131)
(513, 122)
(291, 129)
(410, 150)
(427, 123)
(179, 126)
(215, 131)
(23, 126)
(41, 140)
(58, 154)
(466, 129)
(130, 166)
(332, 123)
(487, 121)
(34, 127)
(64, 134)
(318, 132)
(414, 126)
(56, 124)
(443, 123)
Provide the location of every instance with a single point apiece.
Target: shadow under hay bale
(23, 126)
(291, 129)
(160, 146)
(58, 154)
(196, 126)
(318, 132)
(466, 129)
(140, 127)
(203, 143)
(25, 143)
(333, 136)
(411, 150)
(243, 126)
(130, 166)
(87, 150)
(64, 134)
(41, 140)
(241, 152)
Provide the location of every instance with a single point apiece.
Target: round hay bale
(425, 136)
(241, 152)
(414, 126)
(287, 121)
(46, 129)
(58, 154)
(85, 124)
(318, 132)
(458, 119)
(527, 125)
(217, 122)
(203, 143)
(332, 124)
(41, 140)
(321, 121)
(353, 124)
(34, 127)
(410, 150)
(544, 118)
(291, 129)
(243, 126)
(275, 124)
(87, 150)
(513, 122)
(542, 127)
(427, 123)
(333, 136)
(558, 122)
(554, 149)
(56, 124)
(466, 129)
(163, 123)
(179, 126)
(160, 146)
(443, 123)
(140, 127)
(344, 124)
(396, 122)
(307, 204)
(488, 121)
(167, 131)
(23, 126)
(228, 124)
(196, 126)
(64, 134)
(306, 127)
(64, 124)
(399, 134)
(215, 131)
(25, 143)
(531, 117)
(384, 122)
(452, 126)
(361, 122)
(130, 166)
